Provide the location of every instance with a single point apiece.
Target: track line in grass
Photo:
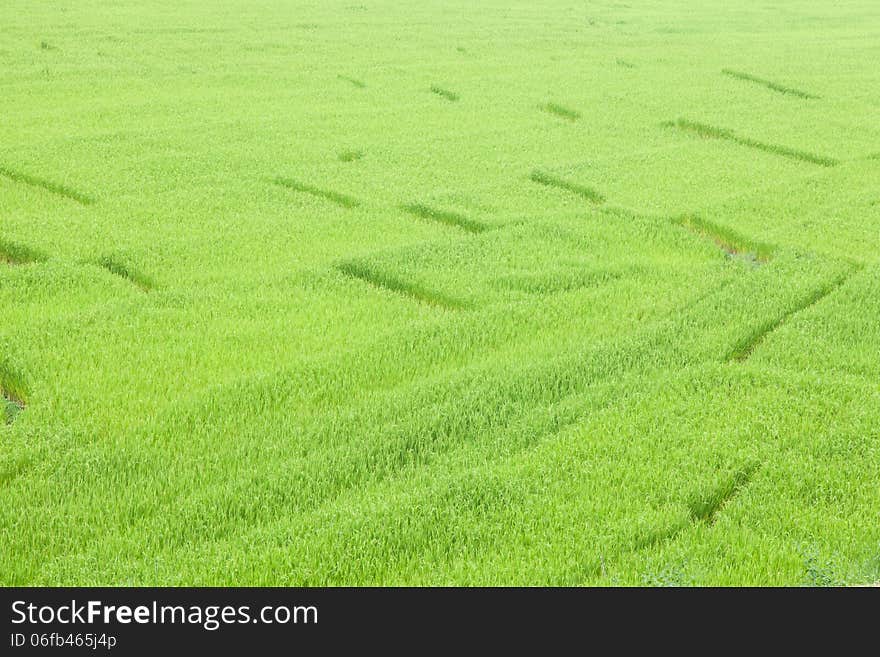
(328, 195)
(353, 81)
(383, 281)
(702, 509)
(561, 112)
(444, 217)
(18, 254)
(728, 240)
(705, 508)
(446, 94)
(47, 185)
(583, 191)
(734, 244)
(123, 270)
(769, 84)
(714, 132)
(749, 343)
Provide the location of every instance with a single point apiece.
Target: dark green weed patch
(444, 93)
(350, 156)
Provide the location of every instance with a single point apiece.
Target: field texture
(439, 293)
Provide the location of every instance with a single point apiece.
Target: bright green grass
(402, 293)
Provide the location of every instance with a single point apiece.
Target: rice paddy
(418, 294)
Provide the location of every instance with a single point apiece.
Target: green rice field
(439, 293)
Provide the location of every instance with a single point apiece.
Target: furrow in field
(353, 81)
(384, 281)
(17, 254)
(561, 112)
(728, 240)
(703, 509)
(444, 217)
(775, 86)
(714, 132)
(123, 270)
(706, 507)
(47, 185)
(749, 343)
(328, 195)
(583, 191)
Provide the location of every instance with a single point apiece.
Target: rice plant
(341, 299)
